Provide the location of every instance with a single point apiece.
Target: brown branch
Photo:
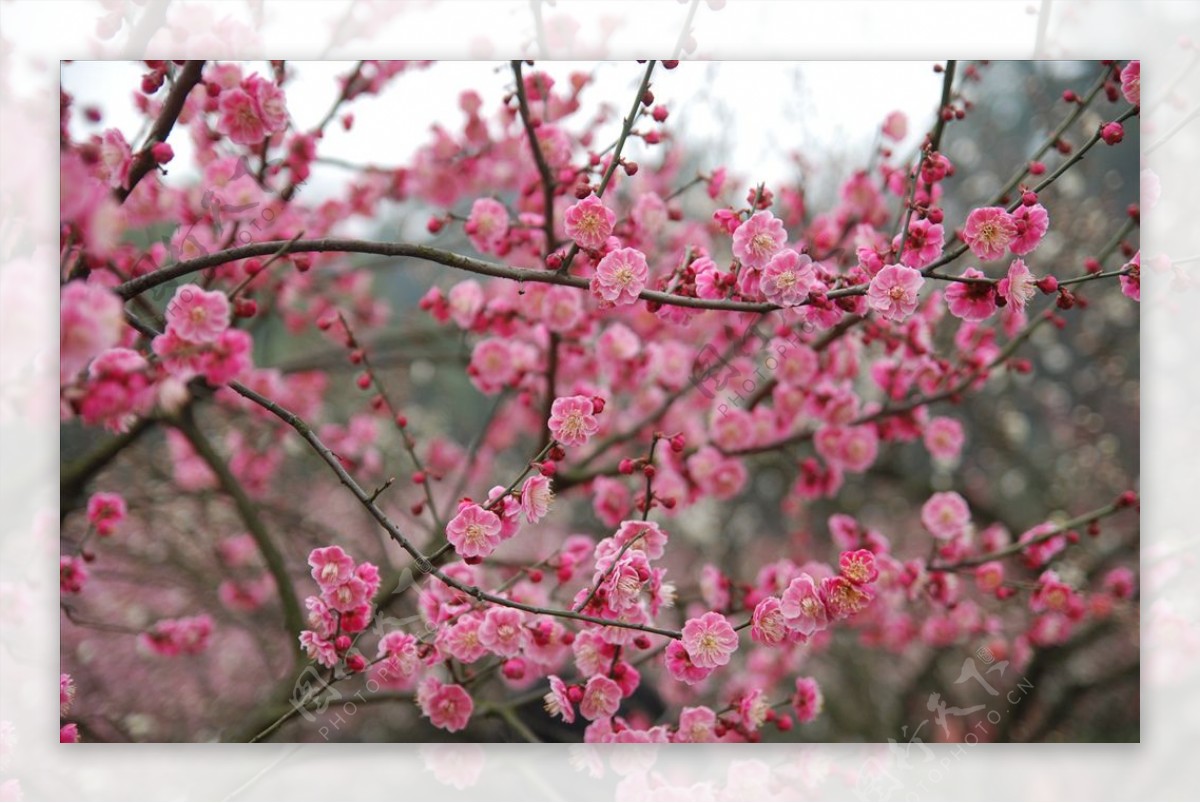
(293, 619)
(539, 158)
(143, 162)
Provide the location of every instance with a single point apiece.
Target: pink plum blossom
(474, 532)
(758, 239)
(893, 292)
(572, 420)
(197, 315)
(589, 222)
(787, 278)
(620, 277)
(709, 640)
(946, 515)
(989, 231)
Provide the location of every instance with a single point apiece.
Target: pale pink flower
(752, 708)
(803, 606)
(572, 421)
(787, 279)
(66, 694)
(769, 625)
(115, 158)
(331, 566)
(1018, 286)
(620, 276)
(971, 301)
(601, 698)
(318, 649)
(989, 231)
(610, 500)
(198, 315)
(807, 701)
(270, 103)
(944, 438)
(893, 291)
(503, 631)
(709, 640)
(447, 705)
(536, 498)
(239, 118)
(697, 725)
(487, 225)
(649, 537)
(895, 126)
(106, 511)
(758, 239)
(989, 576)
(493, 365)
(679, 663)
(1131, 82)
(1032, 222)
(562, 309)
(557, 701)
(474, 532)
(90, 321)
(589, 222)
(946, 515)
(461, 640)
(466, 300)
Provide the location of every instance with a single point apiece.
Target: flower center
(762, 243)
(623, 275)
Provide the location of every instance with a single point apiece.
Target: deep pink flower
(601, 698)
(331, 566)
(589, 223)
(758, 239)
(709, 640)
(106, 511)
(1032, 223)
(239, 118)
(858, 566)
(944, 438)
(572, 420)
(924, 244)
(493, 365)
(971, 301)
(447, 705)
(620, 276)
(843, 598)
(989, 231)
(536, 498)
(474, 532)
(1131, 82)
(198, 315)
(989, 576)
(946, 515)
(1018, 286)
(802, 605)
(697, 725)
(681, 667)
(1131, 282)
(67, 734)
(788, 278)
(807, 701)
(893, 291)
(72, 574)
(487, 225)
(557, 701)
